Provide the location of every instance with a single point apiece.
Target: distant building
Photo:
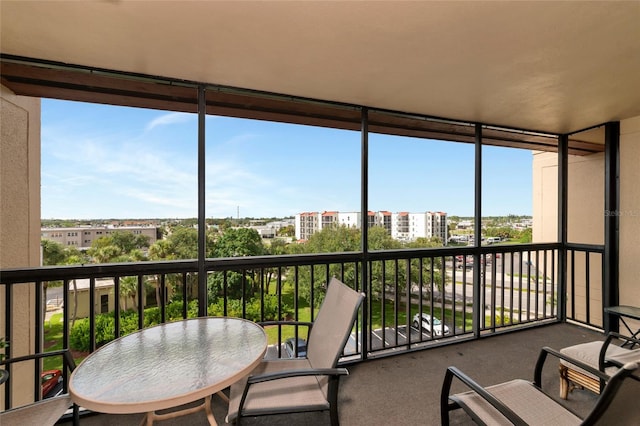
(411, 226)
(306, 224)
(104, 299)
(82, 237)
(402, 226)
(465, 224)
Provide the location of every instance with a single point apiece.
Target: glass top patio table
(167, 365)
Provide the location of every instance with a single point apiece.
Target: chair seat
(295, 394)
(523, 398)
(589, 353)
(43, 413)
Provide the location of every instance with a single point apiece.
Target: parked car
(290, 344)
(460, 263)
(51, 383)
(439, 329)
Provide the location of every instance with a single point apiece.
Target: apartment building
(306, 224)
(83, 236)
(411, 226)
(403, 226)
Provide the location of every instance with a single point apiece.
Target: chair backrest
(332, 326)
(618, 402)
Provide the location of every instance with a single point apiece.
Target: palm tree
(129, 288)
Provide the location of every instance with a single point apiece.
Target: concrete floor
(405, 389)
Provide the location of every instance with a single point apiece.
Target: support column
(478, 315)
(611, 273)
(202, 231)
(364, 209)
(563, 177)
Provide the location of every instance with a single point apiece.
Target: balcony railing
(464, 293)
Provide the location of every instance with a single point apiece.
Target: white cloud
(170, 118)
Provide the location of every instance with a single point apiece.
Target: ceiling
(556, 67)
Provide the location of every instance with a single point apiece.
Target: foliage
(79, 336)
(182, 243)
(254, 309)
(3, 344)
(334, 239)
(118, 246)
(229, 283)
(277, 247)
(526, 236)
(237, 242)
(54, 253)
(287, 231)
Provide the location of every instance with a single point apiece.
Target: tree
(235, 242)
(430, 271)
(287, 231)
(54, 253)
(380, 239)
(183, 243)
(162, 250)
(119, 246)
(239, 242)
(278, 247)
(526, 236)
(128, 242)
(336, 239)
(329, 240)
(129, 288)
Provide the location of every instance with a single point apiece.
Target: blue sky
(102, 161)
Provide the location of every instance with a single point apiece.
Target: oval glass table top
(168, 365)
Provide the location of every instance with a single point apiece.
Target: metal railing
(415, 298)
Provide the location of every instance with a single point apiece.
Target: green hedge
(79, 337)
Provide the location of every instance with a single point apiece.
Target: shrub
(80, 339)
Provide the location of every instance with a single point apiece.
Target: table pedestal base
(206, 406)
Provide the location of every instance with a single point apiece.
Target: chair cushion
(589, 353)
(523, 398)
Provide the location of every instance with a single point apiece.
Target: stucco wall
(630, 213)
(586, 215)
(585, 204)
(19, 223)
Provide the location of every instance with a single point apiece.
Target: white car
(439, 329)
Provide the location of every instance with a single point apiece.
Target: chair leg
(564, 382)
(332, 397)
(333, 412)
(444, 398)
(444, 418)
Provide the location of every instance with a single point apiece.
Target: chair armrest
(628, 340)
(297, 373)
(537, 379)
(480, 391)
(284, 322)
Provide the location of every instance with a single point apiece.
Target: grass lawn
(52, 342)
(389, 312)
(304, 314)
